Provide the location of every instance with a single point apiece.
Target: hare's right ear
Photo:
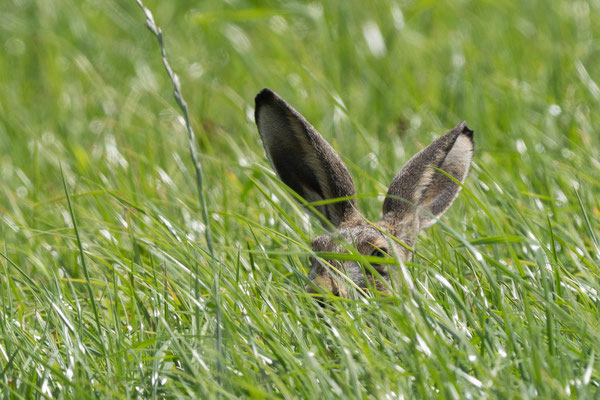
(302, 159)
(419, 194)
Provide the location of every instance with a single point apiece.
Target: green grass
(107, 287)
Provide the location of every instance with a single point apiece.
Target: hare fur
(417, 196)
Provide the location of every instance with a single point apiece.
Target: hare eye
(379, 253)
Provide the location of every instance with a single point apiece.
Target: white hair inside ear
(420, 190)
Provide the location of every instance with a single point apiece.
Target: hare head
(418, 195)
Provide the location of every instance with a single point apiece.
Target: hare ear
(423, 193)
(302, 159)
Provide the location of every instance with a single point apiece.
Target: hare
(417, 197)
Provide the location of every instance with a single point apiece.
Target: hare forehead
(362, 236)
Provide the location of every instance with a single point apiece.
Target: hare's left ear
(421, 194)
(303, 159)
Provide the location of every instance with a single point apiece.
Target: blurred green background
(513, 314)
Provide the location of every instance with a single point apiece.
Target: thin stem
(84, 265)
(198, 169)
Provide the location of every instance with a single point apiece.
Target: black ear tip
(464, 129)
(264, 96)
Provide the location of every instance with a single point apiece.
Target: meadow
(121, 277)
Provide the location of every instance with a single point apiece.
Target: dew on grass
(422, 346)
(237, 37)
(235, 371)
(278, 24)
(399, 369)
(169, 226)
(335, 332)
(398, 17)
(102, 177)
(315, 10)
(11, 223)
(539, 204)
(3, 352)
(21, 192)
(588, 291)
(574, 184)
(96, 126)
(164, 177)
(200, 361)
(478, 256)
(113, 155)
(554, 110)
(196, 70)
(502, 353)
(339, 102)
(146, 78)
(105, 234)
(374, 39)
(46, 388)
(373, 160)
(391, 396)
(249, 114)
(587, 80)
(198, 226)
(339, 116)
(458, 60)
(66, 218)
(561, 198)
(520, 146)
(306, 224)
(443, 281)
(26, 181)
(243, 162)
(264, 359)
(566, 153)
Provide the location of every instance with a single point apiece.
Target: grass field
(109, 288)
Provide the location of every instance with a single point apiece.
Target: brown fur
(417, 196)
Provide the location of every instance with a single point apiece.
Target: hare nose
(322, 284)
(317, 294)
(310, 289)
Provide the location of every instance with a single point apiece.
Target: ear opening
(421, 193)
(302, 159)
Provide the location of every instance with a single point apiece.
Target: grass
(107, 284)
